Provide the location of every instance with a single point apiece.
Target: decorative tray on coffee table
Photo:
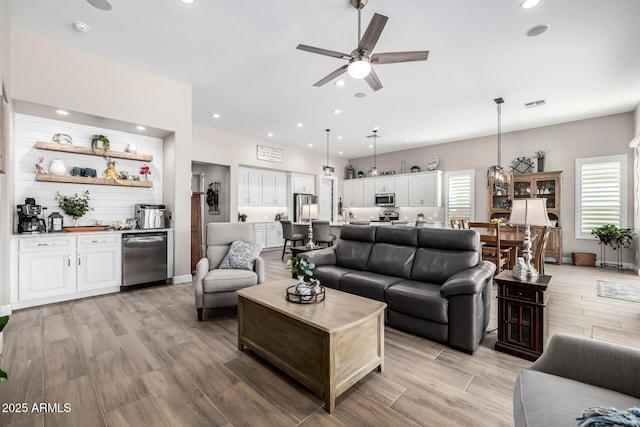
(293, 296)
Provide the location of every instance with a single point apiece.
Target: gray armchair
(217, 287)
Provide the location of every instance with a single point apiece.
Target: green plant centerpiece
(614, 237)
(301, 267)
(3, 322)
(75, 206)
(540, 155)
(100, 141)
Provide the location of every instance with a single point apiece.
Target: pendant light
(374, 171)
(501, 177)
(328, 170)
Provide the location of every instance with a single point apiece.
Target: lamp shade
(529, 212)
(310, 211)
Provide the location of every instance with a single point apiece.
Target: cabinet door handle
(519, 294)
(79, 260)
(43, 244)
(68, 260)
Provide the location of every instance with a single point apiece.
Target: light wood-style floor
(141, 358)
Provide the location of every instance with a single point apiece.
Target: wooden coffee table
(327, 347)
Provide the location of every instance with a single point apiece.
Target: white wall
(110, 203)
(585, 138)
(5, 219)
(212, 145)
(81, 82)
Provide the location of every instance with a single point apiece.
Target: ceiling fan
(361, 59)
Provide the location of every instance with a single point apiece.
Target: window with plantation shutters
(459, 189)
(601, 193)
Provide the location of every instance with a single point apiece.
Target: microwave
(385, 199)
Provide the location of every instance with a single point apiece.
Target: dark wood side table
(523, 319)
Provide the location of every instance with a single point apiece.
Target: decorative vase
(76, 221)
(131, 149)
(57, 167)
(540, 164)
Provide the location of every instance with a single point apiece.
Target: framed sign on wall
(269, 154)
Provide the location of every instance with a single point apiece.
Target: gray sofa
(433, 280)
(573, 374)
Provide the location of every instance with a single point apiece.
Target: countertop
(78, 233)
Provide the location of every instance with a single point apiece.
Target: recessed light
(360, 94)
(336, 111)
(339, 136)
(371, 146)
(406, 140)
(269, 134)
(81, 26)
(62, 112)
(141, 128)
(310, 144)
(340, 83)
(215, 115)
(188, 1)
(376, 128)
(299, 125)
(528, 4)
(339, 152)
(537, 30)
(101, 4)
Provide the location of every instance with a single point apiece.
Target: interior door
(328, 198)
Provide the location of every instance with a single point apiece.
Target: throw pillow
(241, 255)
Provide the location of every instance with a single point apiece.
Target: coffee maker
(29, 220)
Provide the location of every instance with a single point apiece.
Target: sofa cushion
(224, 280)
(329, 275)
(392, 260)
(542, 399)
(452, 240)
(367, 284)
(436, 265)
(418, 299)
(406, 236)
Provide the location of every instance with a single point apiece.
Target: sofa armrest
(258, 267)
(202, 268)
(469, 281)
(599, 363)
(326, 256)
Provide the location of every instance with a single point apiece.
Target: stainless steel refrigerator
(300, 199)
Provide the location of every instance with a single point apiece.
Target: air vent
(534, 104)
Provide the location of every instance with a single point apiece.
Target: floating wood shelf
(52, 146)
(94, 181)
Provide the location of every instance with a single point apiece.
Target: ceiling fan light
(359, 68)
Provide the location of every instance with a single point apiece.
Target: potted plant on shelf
(100, 141)
(540, 154)
(242, 216)
(145, 171)
(75, 206)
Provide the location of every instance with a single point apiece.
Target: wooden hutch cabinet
(546, 185)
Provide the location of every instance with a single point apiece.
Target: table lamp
(528, 212)
(310, 212)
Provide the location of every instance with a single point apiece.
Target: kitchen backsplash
(110, 203)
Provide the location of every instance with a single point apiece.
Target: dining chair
(321, 233)
(541, 245)
(491, 250)
(289, 236)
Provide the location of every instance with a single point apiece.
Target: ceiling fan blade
(372, 34)
(394, 57)
(373, 81)
(325, 52)
(332, 76)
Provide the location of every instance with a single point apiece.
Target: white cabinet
(269, 234)
(402, 191)
(274, 189)
(304, 183)
(385, 185)
(47, 267)
(274, 235)
(249, 187)
(56, 268)
(99, 261)
(347, 194)
(425, 189)
(369, 192)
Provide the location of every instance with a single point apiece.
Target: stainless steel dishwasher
(144, 258)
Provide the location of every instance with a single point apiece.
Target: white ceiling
(241, 59)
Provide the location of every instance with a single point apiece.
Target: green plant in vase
(300, 266)
(100, 140)
(75, 206)
(540, 155)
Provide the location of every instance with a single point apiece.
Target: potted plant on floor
(614, 237)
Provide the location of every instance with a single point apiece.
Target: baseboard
(5, 310)
(182, 279)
